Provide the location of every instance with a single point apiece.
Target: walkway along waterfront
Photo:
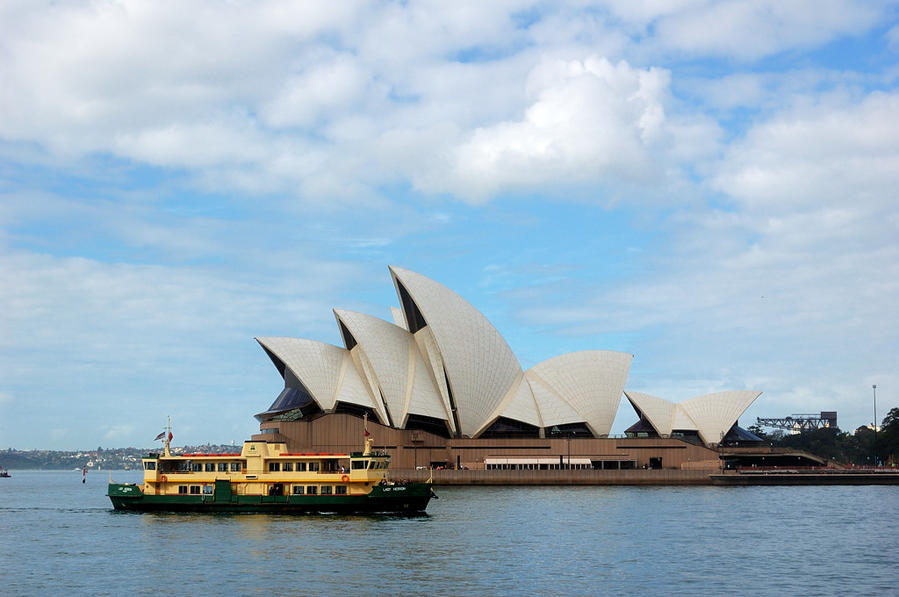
(652, 477)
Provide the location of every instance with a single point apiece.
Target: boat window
(301, 467)
(223, 467)
(195, 489)
(182, 489)
(197, 467)
(360, 464)
(340, 490)
(288, 467)
(326, 489)
(150, 466)
(210, 467)
(311, 489)
(298, 490)
(274, 467)
(235, 467)
(207, 489)
(313, 467)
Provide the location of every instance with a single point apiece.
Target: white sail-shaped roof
(519, 404)
(398, 367)
(553, 408)
(427, 346)
(386, 348)
(479, 364)
(682, 421)
(399, 318)
(658, 411)
(590, 381)
(711, 415)
(716, 413)
(322, 368)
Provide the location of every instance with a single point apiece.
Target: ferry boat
(264, 477)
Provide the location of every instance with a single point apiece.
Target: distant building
(441, 386)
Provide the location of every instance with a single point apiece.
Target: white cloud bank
(333, 101)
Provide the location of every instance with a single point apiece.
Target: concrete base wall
(410, 449)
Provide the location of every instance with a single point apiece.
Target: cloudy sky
(711, 186)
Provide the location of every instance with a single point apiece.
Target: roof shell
(711, 415)
(398, 366)
(326, 371)
(716, 413)
(480, 365)
(658, 411)
(590, 382)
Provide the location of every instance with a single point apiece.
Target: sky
(710, 186)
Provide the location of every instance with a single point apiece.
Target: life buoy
(164, 478)
(345, 478)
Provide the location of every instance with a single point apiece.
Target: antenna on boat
(366, 435)
(168, 436)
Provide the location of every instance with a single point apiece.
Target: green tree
(888, 438)
(757, 430)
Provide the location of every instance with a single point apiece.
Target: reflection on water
(60, 535)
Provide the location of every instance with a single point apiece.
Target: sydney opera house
(442, 388)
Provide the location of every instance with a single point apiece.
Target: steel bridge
(802, 422)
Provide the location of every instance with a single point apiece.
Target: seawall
(557, 477)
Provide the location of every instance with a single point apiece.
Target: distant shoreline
(98, 459)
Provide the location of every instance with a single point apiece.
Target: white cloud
(316, 100)
(820, 154)
(893, 38)
(587, 121)
(750, 29)
(310, 97)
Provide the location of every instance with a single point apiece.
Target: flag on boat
(160, 436)
(170, 436)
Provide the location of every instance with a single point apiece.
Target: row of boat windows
(274, 467)
(296, 490)
(195, 489)
(289, 467)
(209, 467)
(314, 489)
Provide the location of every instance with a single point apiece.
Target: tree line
(858, 448)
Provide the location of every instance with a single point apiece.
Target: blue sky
(710, 186)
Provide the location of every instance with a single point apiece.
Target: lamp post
(874, 387)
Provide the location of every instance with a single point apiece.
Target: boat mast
(168, 437)
(366, 435)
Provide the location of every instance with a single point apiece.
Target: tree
(758, 431)
(888, 438)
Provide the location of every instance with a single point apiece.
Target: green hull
(397, 499)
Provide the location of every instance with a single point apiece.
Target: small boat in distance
(4, 472)
(264, 477)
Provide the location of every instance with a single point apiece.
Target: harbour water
(60, 536)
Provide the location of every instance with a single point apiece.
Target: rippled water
(61, 536)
